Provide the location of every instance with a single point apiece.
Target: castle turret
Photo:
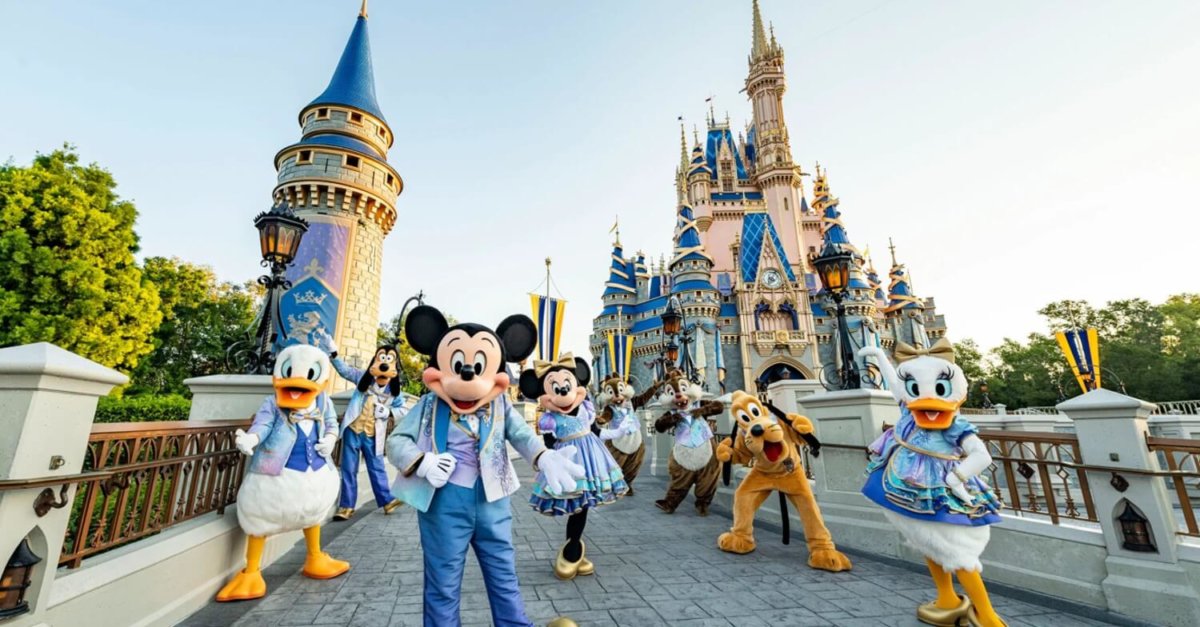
(905, 312)
(337, 177)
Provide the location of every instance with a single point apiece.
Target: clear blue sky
(1018, 153)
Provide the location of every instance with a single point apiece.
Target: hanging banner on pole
(548, 315)
(620, 353)
(1081, 347)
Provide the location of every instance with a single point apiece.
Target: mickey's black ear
(518, 335)
(531, 385)
(583, 372)
(424, 327)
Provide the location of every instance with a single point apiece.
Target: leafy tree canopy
(202, 317)
(69, 276)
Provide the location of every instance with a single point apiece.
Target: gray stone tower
(338, 179)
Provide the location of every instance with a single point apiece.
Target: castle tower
(338, 179)
(905, 312)
(773, 169)
(691, 283)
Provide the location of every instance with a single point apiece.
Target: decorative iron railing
(1190, 408)
(1039, 474)
(141, 478)
(1181, 457)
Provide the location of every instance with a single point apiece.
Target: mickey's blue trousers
(355, 445)
(459, 517)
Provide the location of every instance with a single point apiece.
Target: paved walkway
(651, 569)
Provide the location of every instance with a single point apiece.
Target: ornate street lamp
(833, 268)
(672, 317)
(279, 235)
(677, 336)
(672, 351)
(18, 574)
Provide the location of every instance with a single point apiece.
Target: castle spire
(759, 46)
(900, 292)
(353, 82)
(683, 151)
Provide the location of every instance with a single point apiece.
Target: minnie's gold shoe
(563, 569)
(931, 614)
(586, 567)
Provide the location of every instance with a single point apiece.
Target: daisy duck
(924, 472)
(452, 453)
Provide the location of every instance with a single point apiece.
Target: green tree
(69, 275)
(202, 317)
(968, 357)
(1026, 375)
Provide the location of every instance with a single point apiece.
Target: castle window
(322, 114)
(356, 117)
(352, 162)
(786, 204)
(382, 133)
(304, 156)
(390, 179)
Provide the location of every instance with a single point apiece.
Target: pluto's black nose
(756, 430)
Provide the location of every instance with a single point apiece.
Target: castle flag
(620, 353)
(1081, 347)
(548, 314)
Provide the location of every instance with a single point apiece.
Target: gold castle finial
(363, 11)
(683, 151)
(759, 46)
(892, 247)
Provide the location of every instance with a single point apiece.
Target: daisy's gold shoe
(931, 614)
(563, 569)
(391, 507)
(586, 567)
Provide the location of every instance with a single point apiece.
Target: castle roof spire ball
(353, 81)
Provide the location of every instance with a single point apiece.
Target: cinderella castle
(753, 310)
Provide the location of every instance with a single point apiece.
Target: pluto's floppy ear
(583, 372)
(518, 334)
(424, 327)
(531, 385)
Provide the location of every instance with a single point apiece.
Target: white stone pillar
(1111, 428)
(851, 418)
(227, 396)
(47, 404)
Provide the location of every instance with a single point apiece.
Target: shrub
(147, 408)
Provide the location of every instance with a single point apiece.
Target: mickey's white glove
(958, 488)
(436, 469)
(245, 442)
(559, 471)
(324, 446)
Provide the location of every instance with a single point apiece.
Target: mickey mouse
(569, 422)
(452, 453)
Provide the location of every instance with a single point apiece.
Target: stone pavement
(651, 569)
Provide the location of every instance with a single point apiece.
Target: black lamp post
(18, 573)
(279, 235)
(833, 268)
(677, 336)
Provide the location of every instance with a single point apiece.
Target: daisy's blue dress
(603, 481)
(908, 468)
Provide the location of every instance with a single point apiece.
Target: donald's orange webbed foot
(243, 587)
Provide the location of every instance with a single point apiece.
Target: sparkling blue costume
(603, 482)
(908, 468)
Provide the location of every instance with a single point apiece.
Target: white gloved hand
(324, 446)
(245, 442)
(382, 411)
(958, 488)
(325, 342)
(436, 469)
(610, 434)
(559, 471)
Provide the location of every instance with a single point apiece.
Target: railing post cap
(1102, 399)
(44, 358)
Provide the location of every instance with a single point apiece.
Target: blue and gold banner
(548, 315)
(310, 311)
(1081, 347)
(620, 353)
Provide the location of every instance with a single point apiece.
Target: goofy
(375, 402)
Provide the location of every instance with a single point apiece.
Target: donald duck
(924, 472)
(291, 483)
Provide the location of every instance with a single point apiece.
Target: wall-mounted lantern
(1135, 531)
(18, 574)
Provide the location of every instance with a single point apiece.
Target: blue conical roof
(353, 82)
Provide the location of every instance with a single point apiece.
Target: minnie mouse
(452, 452)
(569, 422)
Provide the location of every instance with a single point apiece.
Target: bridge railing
(146, 477)
(1039, 474)
(1181, 457)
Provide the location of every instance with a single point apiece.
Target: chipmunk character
(369, 415)
(769, 442)
(569, 421)
(291, 482)
(924, 472)
(692, 462)
(619, 403)
(452, 452)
